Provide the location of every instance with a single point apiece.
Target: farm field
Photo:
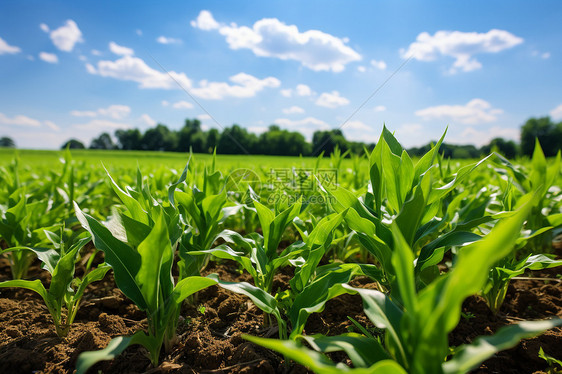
(257, 264)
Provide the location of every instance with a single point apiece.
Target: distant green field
(150, 159)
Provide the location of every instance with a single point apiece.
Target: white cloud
(300, 90)
(138, 32)
(245, 85)
(303, 90)
(359, 131)
(165, 103)
(481, 137)
(129, 68)
(44, 27)
(52, 125)
(293, 110)
(147, 120)
(203, 117)
(379, 108)
(287, 92)
(112, 111)
(331, 100)
(545, 55)
(460, 45)
(66, 36)
(270, 37)
(120, 50)
(182, 105)
(205, 21)
(361, 69)
(95, 52)
(115, 111)
(306, 126)
(83, 113)
(101, 125)
(5, 48)
(51, 58)
(166, 40)
(476, 111)
(381, 65)
(83, 58)
(257, 129)
(556, 113)
(19, 120)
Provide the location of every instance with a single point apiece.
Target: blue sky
(77, 69)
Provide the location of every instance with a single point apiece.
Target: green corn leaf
(403, 262)
(94, 275)
(470, 356)
(384, 314)
(429, 256)
(188, 286)
(181, 179)
(154, 251)
(113, 349)
(318, 362)
(124, 260)
(63, 274)
(363, 352)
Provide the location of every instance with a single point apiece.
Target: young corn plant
(65, 291)
(204, 211)
(406, 195)
(417, 327)
(143, 272)
(541, 178)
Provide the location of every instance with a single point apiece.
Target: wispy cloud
(5, 48)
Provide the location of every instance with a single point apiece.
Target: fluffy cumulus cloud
(66, 36)
(24, 122)
(270, 37)
(19, 120)
(470, 135)
(331, 100)
(245, 85)
(476, 111)
(462, 46)
(556, 113)
(182, 105)
(293, 110)
(120, 50)
(112, 111)
(130, 68)
(379, 108)
(381, 65)
(166, 40)
(51, 58)
(5, 48)
(359, 131)
(205, 21)
(101, 125)
(300, 90)
(306, 126)
(147, 120)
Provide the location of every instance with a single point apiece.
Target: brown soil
(209, 339)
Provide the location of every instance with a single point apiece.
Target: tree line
(280, 142)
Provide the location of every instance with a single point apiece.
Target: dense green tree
(282, 142)
(129, 139)
(237, 140)
(159, 138)
(507, 148)
(103, 141)
(213, 136)
(73, 144)
(190, 134)
(7, 142)
(545, 131)
(326, 141)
